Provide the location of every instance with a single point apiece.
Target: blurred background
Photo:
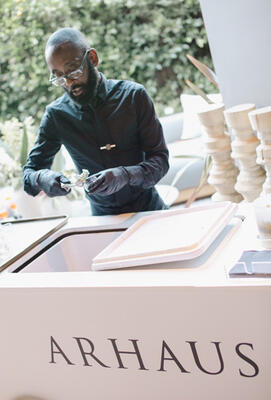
(141, 40)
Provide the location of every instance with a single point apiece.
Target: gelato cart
(164, 305)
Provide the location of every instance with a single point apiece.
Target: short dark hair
(64, 35)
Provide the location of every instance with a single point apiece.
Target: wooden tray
(166, 236)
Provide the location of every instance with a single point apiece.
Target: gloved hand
(49, 181)
(107, 182)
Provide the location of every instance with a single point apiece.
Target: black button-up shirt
(123, 116)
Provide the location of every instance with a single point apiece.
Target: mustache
(76, 85)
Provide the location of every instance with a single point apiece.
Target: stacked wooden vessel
(238, 139)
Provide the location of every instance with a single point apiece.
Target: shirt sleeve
(42, 154)
(147, 173)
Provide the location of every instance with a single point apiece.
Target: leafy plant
(203, 180)
(198, 91)
(141, 40)
(16, 139)
(210, 75)
(207, 72)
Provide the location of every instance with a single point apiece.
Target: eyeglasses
(61, 80)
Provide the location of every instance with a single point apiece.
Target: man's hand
(107, 182)
(49, 181)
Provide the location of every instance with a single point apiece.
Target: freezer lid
(18, 237)
(171, 235)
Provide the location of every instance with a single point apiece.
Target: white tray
(167, 236)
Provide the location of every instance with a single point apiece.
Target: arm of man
(147, 173)
(37, 175)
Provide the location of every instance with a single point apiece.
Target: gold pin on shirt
(107, 147)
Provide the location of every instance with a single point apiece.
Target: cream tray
(166, 236)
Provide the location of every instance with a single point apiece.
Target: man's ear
(93, 57)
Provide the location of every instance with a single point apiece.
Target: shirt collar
(102, 89)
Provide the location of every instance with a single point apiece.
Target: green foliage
(16, 139)
(141, 40)
(24, 148)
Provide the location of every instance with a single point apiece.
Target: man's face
(81, 91)
(66, 58)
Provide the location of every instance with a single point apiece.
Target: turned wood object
(223, 173)
(244, 143)
(261, 122)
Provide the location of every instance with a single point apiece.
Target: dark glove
(107, 182)
(49, 181)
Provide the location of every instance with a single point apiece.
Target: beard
(88, 89)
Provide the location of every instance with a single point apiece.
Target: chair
(186, 163)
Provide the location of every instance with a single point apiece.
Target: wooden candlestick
(252, 176)
(223, 173)
(261, 122)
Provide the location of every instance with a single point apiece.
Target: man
(109, 127)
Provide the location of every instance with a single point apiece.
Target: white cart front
(180, 329)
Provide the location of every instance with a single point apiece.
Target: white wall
(239, 34)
